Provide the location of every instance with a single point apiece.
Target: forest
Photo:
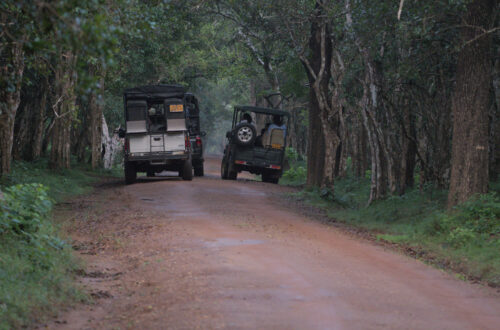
(403, 95)
(396, 89)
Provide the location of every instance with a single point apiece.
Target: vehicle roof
(261, 110)
(162, 91)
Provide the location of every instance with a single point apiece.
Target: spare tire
(245, 134)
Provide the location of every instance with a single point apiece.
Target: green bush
(478, 216)
(34, 261)
(295, 173)
(23, 210)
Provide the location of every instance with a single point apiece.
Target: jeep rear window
(136, 110)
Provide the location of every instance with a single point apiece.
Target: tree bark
(96, 126)
(320, 72)
(470, 105)
(10, 91)
(495, 125)
(64, 109)
(40, 121)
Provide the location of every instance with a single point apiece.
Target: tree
(470, 104)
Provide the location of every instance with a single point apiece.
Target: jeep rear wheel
(270, 178)
(130, 173)
(187, 170)
(245, 134)
(232, 173)
(223, 169)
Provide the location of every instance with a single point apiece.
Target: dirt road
(168, 254)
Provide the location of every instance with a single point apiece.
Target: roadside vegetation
(36, 264)
(387, 99)
(465, 239)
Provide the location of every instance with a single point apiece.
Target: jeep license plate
(276, 146)
(176, 108)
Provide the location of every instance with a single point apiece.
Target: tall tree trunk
(495, 126)
(320, 70)
(315, 144)
(111, 145)
(96, 126)
(40, 121)
(64, 109)
(470, 105)
(11, 69)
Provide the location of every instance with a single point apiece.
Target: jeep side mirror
(203, 133)
(121, 132)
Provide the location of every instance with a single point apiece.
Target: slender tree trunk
(315, 144)
(12, 73)
(470, 105)
(495, 127)
(317, 139)
(40, 121)
(96, 127)
(64, 111)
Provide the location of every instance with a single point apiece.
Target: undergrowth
(36, 265)
(465, 239)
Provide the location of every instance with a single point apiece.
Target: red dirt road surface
(207, 254)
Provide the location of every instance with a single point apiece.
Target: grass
(61, 183)
(465, 240)
(36, 265)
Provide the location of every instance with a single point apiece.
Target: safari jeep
(195, 133)
(256, 143)
(156, 135)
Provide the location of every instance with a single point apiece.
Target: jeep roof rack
(262, 110)
(155, 91)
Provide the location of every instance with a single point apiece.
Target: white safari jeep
(156, 135)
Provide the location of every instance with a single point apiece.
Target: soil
(206, 254)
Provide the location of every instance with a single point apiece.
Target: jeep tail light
(126, 146)
(187, 143)
(276, 167)
(198, 141)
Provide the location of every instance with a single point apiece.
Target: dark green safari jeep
(256, 143)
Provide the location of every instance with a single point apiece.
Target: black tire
(130, 173)
(232, 173)
(198, 170)
(150, 174)
(270, 178)
(223, 169)
(245, 134)
(187, 170)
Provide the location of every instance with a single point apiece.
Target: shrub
(23, 210)
(34, 261)
(295, 173)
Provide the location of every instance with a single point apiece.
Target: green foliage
(60, 184)
(296, 175)
(34, 261)
(36, 265)
(475, 222)
(23, 210)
